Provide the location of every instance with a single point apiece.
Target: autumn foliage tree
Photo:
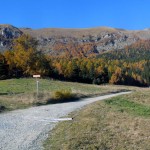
(25, 59)
(128, 67)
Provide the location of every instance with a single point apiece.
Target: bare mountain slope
(74, 42)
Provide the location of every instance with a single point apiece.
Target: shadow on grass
(2, 108)
(3, 93)
(11, 93)
(74, 98)
(119, 91)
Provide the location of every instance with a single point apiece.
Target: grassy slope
(21, 93)
(120, 123)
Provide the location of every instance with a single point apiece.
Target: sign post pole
(37, 84)
(37, 87)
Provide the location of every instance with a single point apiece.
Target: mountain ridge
(74, 42)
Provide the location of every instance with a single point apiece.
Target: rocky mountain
(74, 42)
(7, 34)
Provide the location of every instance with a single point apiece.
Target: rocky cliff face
(74, 42)
(7, 34)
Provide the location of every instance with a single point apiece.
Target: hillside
(139, 50)
(74, 42)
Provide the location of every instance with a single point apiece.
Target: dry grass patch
(106, 126)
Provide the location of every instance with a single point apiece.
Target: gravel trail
(26, 129)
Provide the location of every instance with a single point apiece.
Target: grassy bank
(118, 123)
(21, 93)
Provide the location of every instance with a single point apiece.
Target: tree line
(24, 60)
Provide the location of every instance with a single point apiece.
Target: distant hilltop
(59, 41)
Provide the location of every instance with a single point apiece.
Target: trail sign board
(36, 76)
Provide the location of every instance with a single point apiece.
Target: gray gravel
(27, 129)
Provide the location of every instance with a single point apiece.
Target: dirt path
(27, 129)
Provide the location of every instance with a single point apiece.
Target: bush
(63, 94)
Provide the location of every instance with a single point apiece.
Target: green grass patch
(23, 85)
(21, 93)
(123, 104)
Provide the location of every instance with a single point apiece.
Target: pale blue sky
(127, 14)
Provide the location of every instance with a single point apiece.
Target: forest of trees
(130, 66)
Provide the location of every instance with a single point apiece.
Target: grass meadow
(119, 123)
(21, 93)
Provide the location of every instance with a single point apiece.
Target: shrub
(63, 94)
